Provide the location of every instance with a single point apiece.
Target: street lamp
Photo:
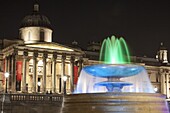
(64, 79)
(39, 86)
(156, 89)
(6, 76)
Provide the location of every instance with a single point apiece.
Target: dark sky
(144, 24)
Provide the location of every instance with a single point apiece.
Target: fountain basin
(116, 84)
(115, 103)
(113, 86)
(129, 73)
(113, 70)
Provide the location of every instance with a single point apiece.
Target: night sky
(144, 24)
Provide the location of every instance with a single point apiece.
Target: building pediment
(53, 46)
(41, 47)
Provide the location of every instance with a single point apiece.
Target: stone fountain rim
(113, 70)
(115, 93)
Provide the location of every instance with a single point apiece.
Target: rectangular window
(41, 36)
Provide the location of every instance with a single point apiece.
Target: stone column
(62, 72)
(163, 83)
(54, 73)
(6, 64)
(48, 78)
(7, 70)
(72, 73)
(167, 85)
(80, 65)
(14, 72)
(45, 55)
(35, 71)
(24, 68)
(10, 72)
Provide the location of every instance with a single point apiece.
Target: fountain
(115, 86)
(114, 51)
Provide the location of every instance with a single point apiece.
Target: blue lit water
(110, 78)
(109, 70)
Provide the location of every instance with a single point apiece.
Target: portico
(43, 63)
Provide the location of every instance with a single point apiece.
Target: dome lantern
(36, 7)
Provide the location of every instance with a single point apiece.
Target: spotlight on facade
(156, 89)
(65, 79)
(6, 76)
(39, 83)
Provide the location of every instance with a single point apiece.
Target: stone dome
(35, 19)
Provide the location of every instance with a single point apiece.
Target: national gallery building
(35, 64)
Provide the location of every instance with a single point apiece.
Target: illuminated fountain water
(116, 86)
(116, 74)
(114, 51)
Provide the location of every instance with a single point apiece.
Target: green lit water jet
(114, 51)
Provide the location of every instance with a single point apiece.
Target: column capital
(63, 56)
(72, 59)
(45, 55)
(13, 55)
(54, 55)
(25, 53)
(80, 60)
(35, 54)
(15, 52)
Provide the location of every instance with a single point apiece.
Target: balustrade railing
(35, 97)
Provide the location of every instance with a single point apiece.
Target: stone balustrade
(36, 97)
(34, 103)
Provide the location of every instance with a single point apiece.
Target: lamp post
(6, 76)
(64, 79)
